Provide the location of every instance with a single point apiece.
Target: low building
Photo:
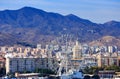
(106, 74)
(117, 75)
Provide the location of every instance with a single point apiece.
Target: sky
(98, 11)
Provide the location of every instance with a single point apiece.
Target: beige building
(29, 64)
(77, 51)
(107, 60)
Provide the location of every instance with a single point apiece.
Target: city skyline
(95, 10)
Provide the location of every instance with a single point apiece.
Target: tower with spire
(77, 51)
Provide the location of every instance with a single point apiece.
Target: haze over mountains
(31, 25)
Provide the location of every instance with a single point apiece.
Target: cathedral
(77, 51)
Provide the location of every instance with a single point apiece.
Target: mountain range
(30, 26)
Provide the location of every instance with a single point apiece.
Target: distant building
(110, 49)
(3, 49)
(38, 46)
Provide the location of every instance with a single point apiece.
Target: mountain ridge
(34, 26)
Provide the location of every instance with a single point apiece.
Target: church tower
(77, 51)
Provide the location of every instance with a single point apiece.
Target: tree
(95, 77)
(86, 77)
(2, 72)
(44, 71)
(113, 67)
(87, 70)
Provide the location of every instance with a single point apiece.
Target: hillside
(106, 40)
(34, 26)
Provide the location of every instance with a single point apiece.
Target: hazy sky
(98, 11)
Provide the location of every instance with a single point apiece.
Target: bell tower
(77, 51)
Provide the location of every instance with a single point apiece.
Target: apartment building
(108, 59)
(29, 64)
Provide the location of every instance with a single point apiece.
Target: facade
(29, 64)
